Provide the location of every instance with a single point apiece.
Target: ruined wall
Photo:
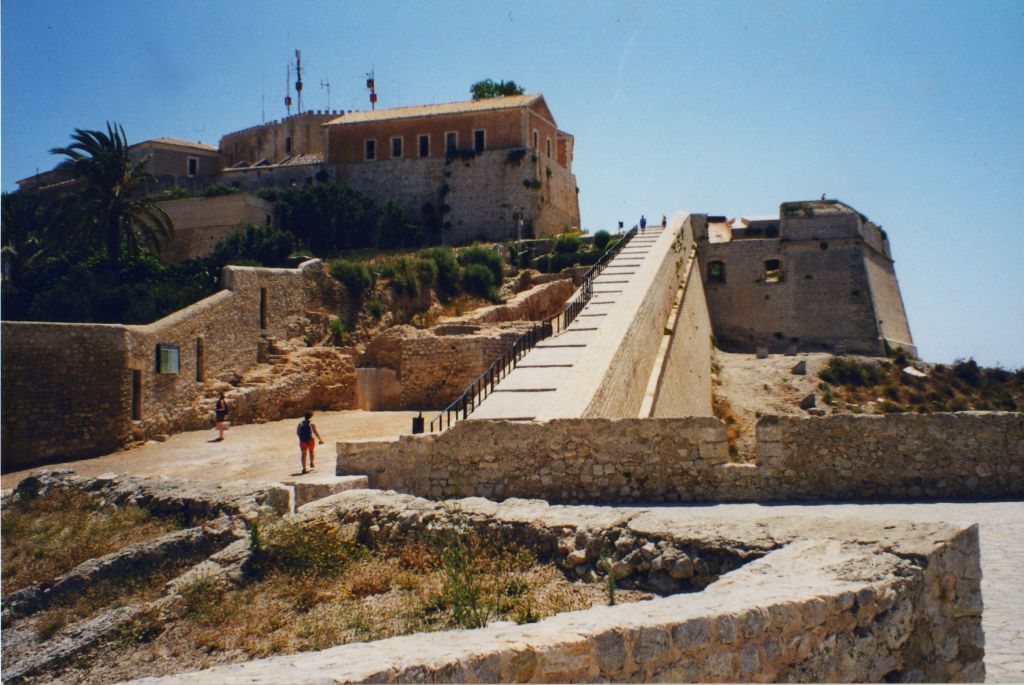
(66, 390)
(481, 197)
(685, 385)
(304, 132)
(686, 460)
(200, 222)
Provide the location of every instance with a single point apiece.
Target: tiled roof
(295, 160)
(178, 142)
(462, 107)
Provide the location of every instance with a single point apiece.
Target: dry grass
(733, 425)
(853, 385)
(315, 586)
(46, 536)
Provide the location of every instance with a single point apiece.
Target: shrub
(842, 371)
(967, 371)
(376, 308)
(567, 243)
(218, 189)
(485, 257)
(448, 271)
(601, 240)
(409, 274)
(478, 280)
(355, 275)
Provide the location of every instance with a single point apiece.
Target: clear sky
(912, 112)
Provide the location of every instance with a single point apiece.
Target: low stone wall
(686, 460)
(817, 601)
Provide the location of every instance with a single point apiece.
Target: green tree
(109, 206)
(25, 223)
(489, 89)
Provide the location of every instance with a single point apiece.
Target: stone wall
(969, 454)
(816, 601)
(684, 386)
(87, 381)
(484, 194)
(65, 388)
(624, 382)
(837, 288)
(200, 222)
(409, 368)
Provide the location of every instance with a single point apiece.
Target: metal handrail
(482, 387)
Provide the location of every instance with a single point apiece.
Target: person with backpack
(306, 430)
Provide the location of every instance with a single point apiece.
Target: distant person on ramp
(643, 223)
(306, 430)
(664, 221)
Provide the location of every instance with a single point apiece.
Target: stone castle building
(818, 277)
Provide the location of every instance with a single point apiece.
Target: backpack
(304, 431)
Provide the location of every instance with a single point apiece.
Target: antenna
(370, 83)
(326, 85)
(298, 82)
(288, 90)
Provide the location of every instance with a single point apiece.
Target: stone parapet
(819, 601)
(961, 455)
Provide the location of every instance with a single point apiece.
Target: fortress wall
(962, 455)
(885, 293)
(685, 386)
(468, 187)
(200, 222)
(822, 302)
(66, 391)
(622, 374)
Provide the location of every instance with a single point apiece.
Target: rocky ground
(750, 387)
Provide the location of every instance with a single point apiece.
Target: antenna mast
(371, 83)
(298, 82)
(288, 91)
(327, 85)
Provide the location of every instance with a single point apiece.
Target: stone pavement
(260, 452)
(526, 393)
(1002, 560)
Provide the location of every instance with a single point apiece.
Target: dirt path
(258, 452)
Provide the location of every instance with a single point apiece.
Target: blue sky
(912, 112)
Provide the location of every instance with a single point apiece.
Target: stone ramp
(527, 393)
(313, 486)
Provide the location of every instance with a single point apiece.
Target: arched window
(716, 272)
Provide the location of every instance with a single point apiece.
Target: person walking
(664, 221)
(220, 414)
(306, 430)
(643, 223)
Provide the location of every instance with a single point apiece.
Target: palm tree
(110, 206)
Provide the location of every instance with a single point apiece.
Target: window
(369, 150)
(288, 145)
(200, 360)
(193, 166)
(536, 139)
(772, 271)
(451, 141)
(479, 140)
(549, 147)
(167, 358)
(716, 272)
(424, 141)
(396, 148)
(136, 395)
